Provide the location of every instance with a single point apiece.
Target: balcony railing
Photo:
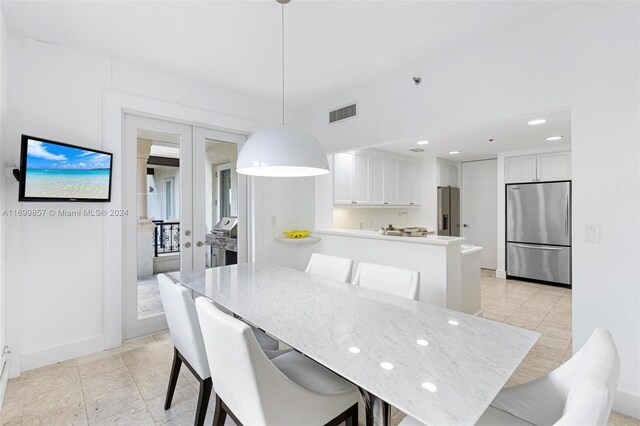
(166, 237)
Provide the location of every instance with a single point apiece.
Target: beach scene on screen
(58, 171)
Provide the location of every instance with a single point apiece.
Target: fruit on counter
(296, 233)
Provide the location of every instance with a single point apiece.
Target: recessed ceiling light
(422, 142)
(422, 342)
(554, 138)
(537, 121)
(429, 386)
(386, 365)
(354, 350)
(454, 152)
(453, 322)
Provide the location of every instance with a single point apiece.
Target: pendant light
(282, 150)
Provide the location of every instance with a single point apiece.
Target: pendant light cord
(283, 64)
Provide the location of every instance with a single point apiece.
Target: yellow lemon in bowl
(296, 233)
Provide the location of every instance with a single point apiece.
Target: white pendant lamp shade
(282, 151)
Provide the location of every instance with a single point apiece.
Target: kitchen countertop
(438, 240)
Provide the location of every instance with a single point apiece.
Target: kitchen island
(437, 258)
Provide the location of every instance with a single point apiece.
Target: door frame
(115, 104)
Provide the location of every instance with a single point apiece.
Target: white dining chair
(188, 345)
(579, 392)
(253, 390)
(388, 279)
(333, 267)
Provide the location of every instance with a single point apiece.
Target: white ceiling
(331, 45)
(508, 135)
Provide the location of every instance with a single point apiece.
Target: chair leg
(173, 380)
(203, 400)
(352, 420)
(219, 415)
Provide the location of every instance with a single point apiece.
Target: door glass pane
(158, 213)
(225, 193)
(221, 200)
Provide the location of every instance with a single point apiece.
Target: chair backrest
(184, 327)
(334, 267)
(593, 383)
(388, 279)
(244, 378)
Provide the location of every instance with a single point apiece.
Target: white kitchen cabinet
(390, 181)
(416, 185)
(538, 168)
(360, 179)
(447, 175)
(520, 169)
(376, 181)
(363, 179)
(343, 178)
(404, 183)
(554, 166)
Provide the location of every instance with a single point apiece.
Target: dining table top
(440, 366)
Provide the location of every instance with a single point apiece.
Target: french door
(172, 198)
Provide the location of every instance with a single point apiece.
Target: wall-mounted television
(56, 171)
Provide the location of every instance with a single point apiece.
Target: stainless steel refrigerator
(539, 231)
(449, 211)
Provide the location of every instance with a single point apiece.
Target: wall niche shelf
(305, 240)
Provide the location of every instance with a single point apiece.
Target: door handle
(465, 225)
(187, 244)
(566, 220)
(199, 244)
(536, 247)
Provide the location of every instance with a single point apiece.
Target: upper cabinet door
(361, 179)
(376, 181)
(443, 179)
(343, 178)
(416, 185)
(404, 183)
(520, 169)
(554, 166)
(390, 181)
(447, 175)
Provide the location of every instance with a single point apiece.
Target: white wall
(3, 109)
(605, 118)
(55, 268)
(584, 57)
(271, 219)
(500, 195)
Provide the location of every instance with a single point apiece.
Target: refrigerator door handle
(536, 247)
(566, 219)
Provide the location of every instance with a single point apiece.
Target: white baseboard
(500, 273)
(62, 352)
(627, 403)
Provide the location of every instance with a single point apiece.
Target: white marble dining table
(440, 366)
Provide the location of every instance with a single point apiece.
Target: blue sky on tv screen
(51, 156)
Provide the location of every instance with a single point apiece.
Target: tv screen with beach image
(58, 171)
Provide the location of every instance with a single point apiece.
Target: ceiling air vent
(342, 113)
(416, 150)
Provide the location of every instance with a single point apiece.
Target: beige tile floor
(126, 386)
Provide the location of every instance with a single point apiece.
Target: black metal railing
(166, 237)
